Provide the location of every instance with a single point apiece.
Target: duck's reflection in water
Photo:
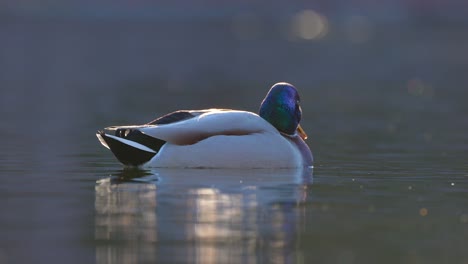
(125, 219)
(203, 216)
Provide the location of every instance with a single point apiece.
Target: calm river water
(387, 124)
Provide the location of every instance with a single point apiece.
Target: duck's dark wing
(131, 146)
(182, 115)
(174, 117)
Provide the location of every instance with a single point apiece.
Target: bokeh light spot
(309, 25)
(464, 218)
(324, 207)
(417, 87)
(391, 128)
(423, 211)
(427, 136)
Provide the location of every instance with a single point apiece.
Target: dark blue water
(386, 119)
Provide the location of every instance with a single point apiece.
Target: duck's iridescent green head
(281, 109)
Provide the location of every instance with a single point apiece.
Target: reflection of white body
(217, 138)
(222, 178)
(206, 216)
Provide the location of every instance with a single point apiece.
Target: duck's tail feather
(130, 146)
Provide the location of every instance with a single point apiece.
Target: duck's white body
(250, 151)
(217, 138)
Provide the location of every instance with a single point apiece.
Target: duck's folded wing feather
(176, 116)
(173, 117)
(207, 124)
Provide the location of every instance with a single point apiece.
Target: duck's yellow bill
(301, 132)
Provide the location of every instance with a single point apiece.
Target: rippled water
(389, 183)
(276, 217)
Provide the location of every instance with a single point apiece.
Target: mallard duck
(218, 138)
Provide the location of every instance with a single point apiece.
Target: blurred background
(383, 87)
(70, 63)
